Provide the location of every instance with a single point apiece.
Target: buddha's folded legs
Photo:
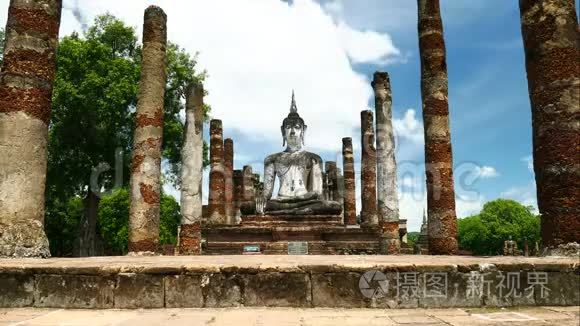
(310, 207)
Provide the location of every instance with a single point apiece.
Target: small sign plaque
(298, 248)
(251, 250)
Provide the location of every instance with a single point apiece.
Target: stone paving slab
(289, 281)
(289, 316)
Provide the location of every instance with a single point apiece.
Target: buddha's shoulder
(273, 158)
(313, 156)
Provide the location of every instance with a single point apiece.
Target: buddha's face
(294, 134)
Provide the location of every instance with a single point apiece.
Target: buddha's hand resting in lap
(260, 204)
(307, 196)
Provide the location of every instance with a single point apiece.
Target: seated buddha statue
(299, 173)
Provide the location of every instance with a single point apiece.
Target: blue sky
(257, 51)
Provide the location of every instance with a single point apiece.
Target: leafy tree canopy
(93, 106)
(485, 233)
(114, 220)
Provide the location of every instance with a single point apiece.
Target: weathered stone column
(146, 164)
(330, 170)
(238, 178)
(325, 190)
(216, 198)
(552, 47)
(191, 173)
(438, 153)
(368, 170)
(26, 82)
(248, 204)
(339, 195)
(349, 182)
(229, 181)
(387, 200)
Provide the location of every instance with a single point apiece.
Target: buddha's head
(293, 128)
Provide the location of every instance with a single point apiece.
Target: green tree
(61, 224)
(113, 222)
(412, 238)
(94, 100)
(485, 233)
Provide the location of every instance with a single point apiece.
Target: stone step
(281, 247)
(370, 281)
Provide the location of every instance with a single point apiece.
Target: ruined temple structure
(26, 81)
(438, 152)
(314, 207)
(551, 39)
(145, 188)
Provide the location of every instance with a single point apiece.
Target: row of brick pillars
(551, 63)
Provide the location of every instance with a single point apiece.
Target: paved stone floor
(293, 316)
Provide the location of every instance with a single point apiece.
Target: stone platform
(289, 281)
(325, 234)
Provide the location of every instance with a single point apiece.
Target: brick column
(438, 153)
(238, 178)
(191, 173)
(339, 194)
(216, 198)
(349, 182)
(248, 205)
(331, 176)
(552, 48)
(26, 81)
(229, 181)
(368, 170)
(387, 201)
(145, 186)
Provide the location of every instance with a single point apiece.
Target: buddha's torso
(293, 171)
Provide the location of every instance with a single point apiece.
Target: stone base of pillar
(21, 239)
(389, 246)
(369, 220)
(143, 248)
(442, 246)
(190, 239)
(389, 243)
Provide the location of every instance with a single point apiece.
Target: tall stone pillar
(369, 215)
(438, 153)
(349, 182)
(146, 164)
(26, 82)
(191, 173)
(331, 176)
(238, 178)
(339, 197)
(216, 198)
(552, 47)
(229, 181)
(248, 204)
(387, 200)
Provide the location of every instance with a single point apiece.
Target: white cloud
(529, 160)
(486, 172)
(367, 46)
(468, 205)
(411, 206)
(409, 128)
(525, 194)
(409, 182)
(256, 52)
